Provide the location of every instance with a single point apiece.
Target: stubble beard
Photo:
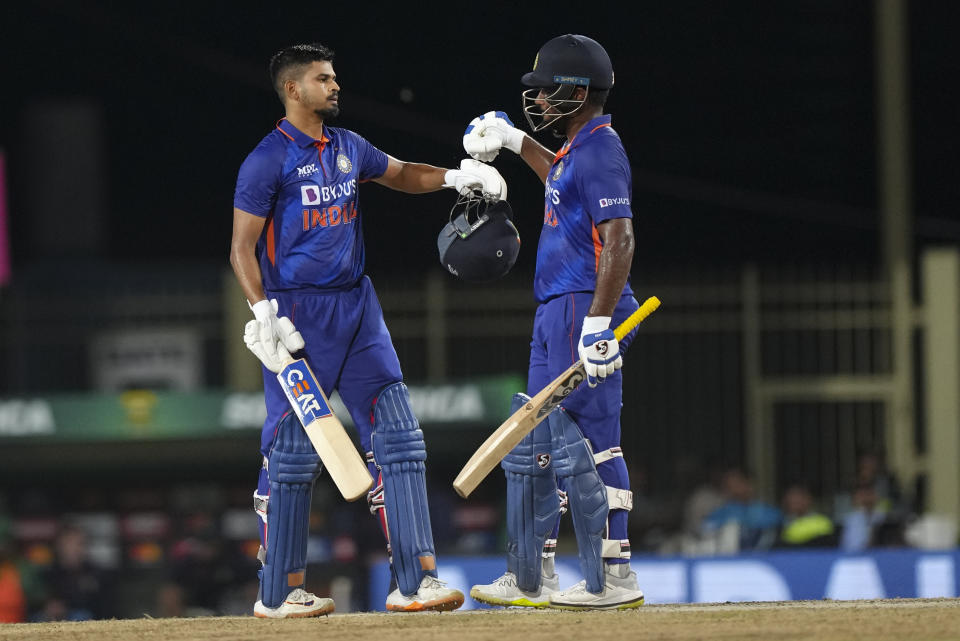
(329, 112)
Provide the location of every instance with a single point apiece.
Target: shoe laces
(432, 582)
(579, 588)
(507, 580)
(298, 595)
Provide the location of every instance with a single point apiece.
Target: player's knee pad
(400, 452)
(613, 471)
(586, 493)
(532, 502)
(292, 466)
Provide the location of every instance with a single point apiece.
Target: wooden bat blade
(340, 457)
(522, 422)
(326, 432)
(512, 431)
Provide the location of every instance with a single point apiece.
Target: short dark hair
(597, 97)
(289, 61)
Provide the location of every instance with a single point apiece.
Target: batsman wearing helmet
(298, 253)
(572, 460)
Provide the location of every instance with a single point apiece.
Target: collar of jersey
(299, 137)
(588, 129)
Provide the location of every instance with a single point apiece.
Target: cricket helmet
(480, 243)
(563, 64)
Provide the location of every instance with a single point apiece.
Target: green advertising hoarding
(151, 415)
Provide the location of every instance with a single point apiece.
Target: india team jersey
(589, 183)
(307, 191)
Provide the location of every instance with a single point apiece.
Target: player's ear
(580, 93)
(291, 89)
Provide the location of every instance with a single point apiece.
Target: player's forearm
(247, 270)
(612, 271)
(537, 157)
(418, 178)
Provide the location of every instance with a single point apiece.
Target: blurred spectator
(873, 514)
(77, 590)
(705, 498)
(13, 600)
(802, 525)
(862, 521)
(20, 589)
(170, 601)
(871, 472)
(756, 521)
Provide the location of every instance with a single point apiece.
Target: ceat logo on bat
(303, 392)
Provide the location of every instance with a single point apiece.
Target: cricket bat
(333, 444)
(522, 422)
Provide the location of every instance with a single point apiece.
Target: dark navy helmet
(563, 64)
(480, 243)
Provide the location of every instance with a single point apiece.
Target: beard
(330, 112)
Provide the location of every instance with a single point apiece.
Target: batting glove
(274, 331)
(486, 135)
(274, 363)
(476, 176)
(599, 349)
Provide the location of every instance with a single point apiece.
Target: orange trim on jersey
(271, 244)
(597, 246)
(567, 147)
(282, 131)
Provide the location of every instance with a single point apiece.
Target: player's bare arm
(418, 178)
(246, 231)
(615, 259)
(411, 178)
(537, 157)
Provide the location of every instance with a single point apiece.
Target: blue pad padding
(532, 501)
(293, 465)
(400, 452)
(587, 496)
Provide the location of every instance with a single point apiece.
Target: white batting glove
(476, 176)
(486, 135)
(251, 336)
(599, 349)
(274, 331)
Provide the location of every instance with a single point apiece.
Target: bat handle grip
(636, 318)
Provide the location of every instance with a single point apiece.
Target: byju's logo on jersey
(307, 170)
(319, 194)
(610, 202)
(344, 164)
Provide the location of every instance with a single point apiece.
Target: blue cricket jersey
(307, 191)
(589, 183)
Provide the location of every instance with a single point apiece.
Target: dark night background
(750, 125)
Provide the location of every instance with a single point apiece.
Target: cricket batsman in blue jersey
(297, 251)
(572, 460)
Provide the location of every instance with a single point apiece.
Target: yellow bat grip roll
(627, 326)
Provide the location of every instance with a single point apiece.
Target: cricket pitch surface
(890, 619)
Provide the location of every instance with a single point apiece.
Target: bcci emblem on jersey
(557, 171)
(344, 164)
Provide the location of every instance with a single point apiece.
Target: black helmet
(479, 244)
(563, 64)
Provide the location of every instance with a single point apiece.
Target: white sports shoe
(433, 594)
(620, 592)
(298, 603)
(504, 591)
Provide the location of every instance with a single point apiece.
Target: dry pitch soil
(897, 619)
